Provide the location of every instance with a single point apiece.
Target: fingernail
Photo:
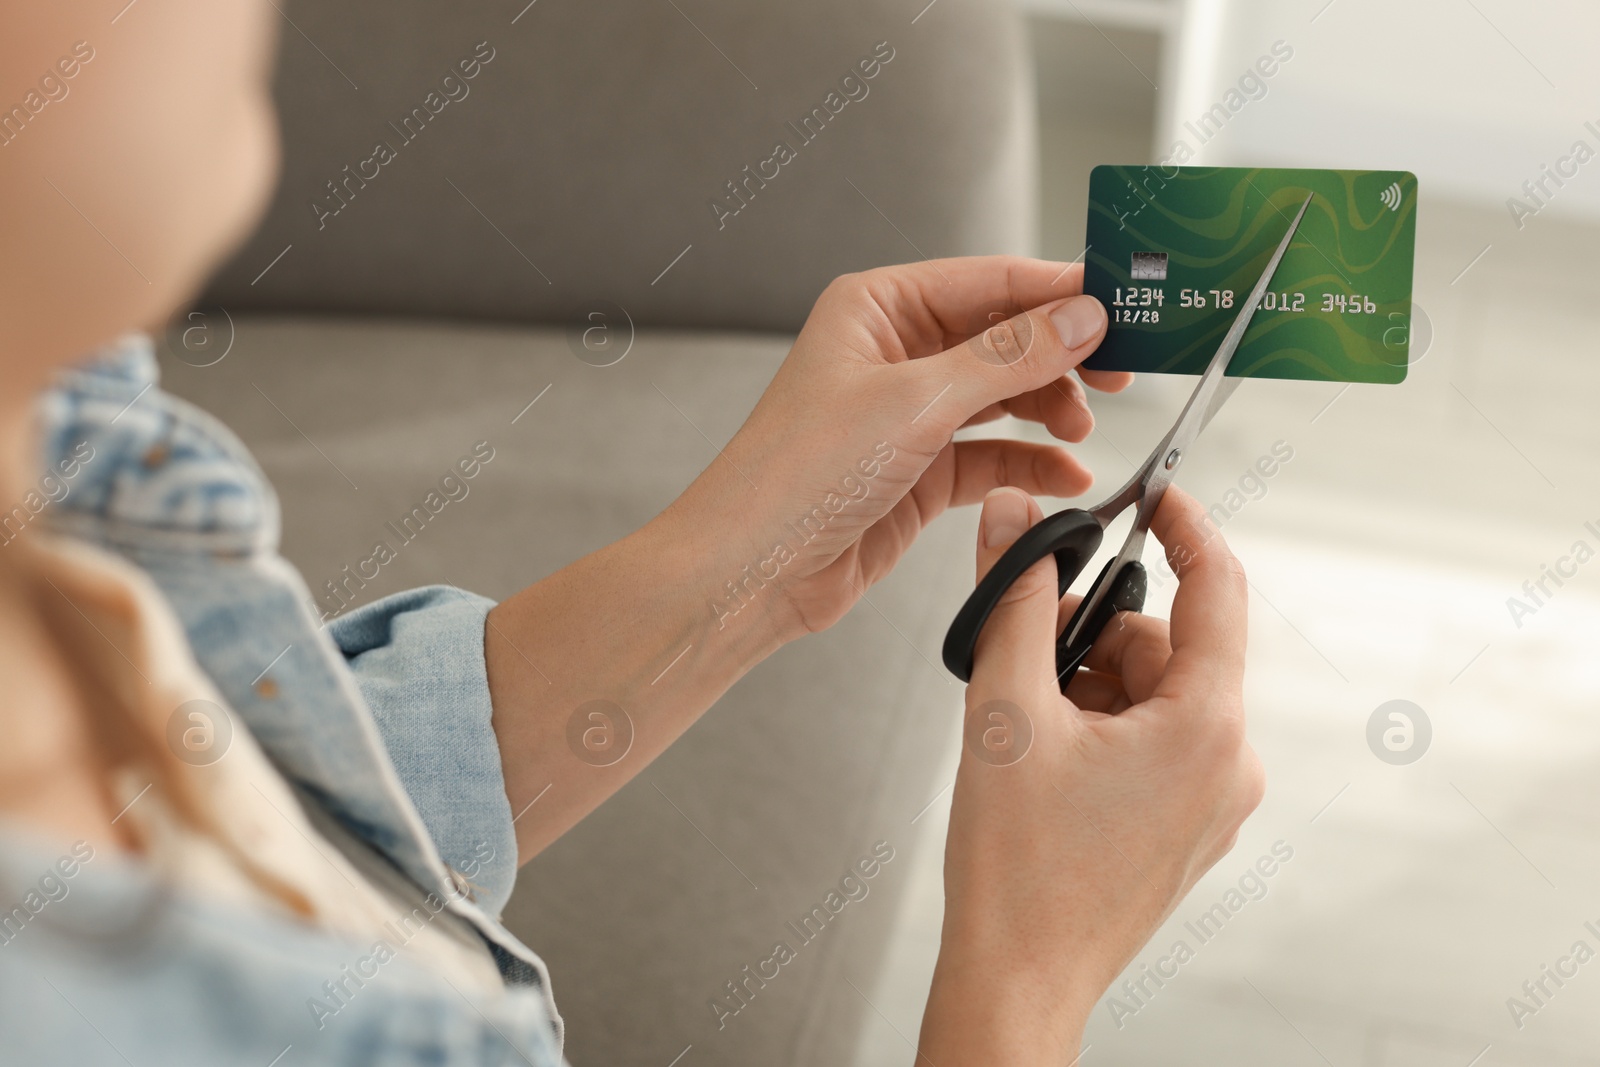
(1078, 320)
(1005, 517)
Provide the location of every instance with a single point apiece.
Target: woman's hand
(849, 453)
(1080, 821)
(595, 669)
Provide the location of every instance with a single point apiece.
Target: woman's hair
(114, 700)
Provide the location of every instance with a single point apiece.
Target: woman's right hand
(1079, 822)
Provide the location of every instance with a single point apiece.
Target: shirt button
(156, 455)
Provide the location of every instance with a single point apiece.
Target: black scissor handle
(1072, 535)
(1126, 594)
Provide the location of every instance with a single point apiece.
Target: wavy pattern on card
(1338, 309)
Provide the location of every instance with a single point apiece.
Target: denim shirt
(381, 718)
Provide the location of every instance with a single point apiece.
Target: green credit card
(1173, 253)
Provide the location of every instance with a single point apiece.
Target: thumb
(1017, 646)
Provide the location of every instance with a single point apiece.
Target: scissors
(1073, 535)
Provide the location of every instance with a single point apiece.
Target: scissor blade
(1203, 400)
(1151, 480)
(1209, 395)
(1218, 398)
(1135, 488)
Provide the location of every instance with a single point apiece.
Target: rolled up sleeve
(419, 660)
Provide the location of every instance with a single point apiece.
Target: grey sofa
(438, 294)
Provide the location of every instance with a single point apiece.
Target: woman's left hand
(847, 456)
(849, 453)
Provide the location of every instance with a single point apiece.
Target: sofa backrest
(697, 163)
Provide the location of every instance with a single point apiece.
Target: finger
(1012, 357)
(1093, 691)
(1060, 406)
(963, 473)
(1017, 648)
(938, 304)
(1001, 522)
(1134, 648)
(984, 465)
(1210, 606)
(1106, 381)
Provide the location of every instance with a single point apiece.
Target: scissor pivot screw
(1174, 457)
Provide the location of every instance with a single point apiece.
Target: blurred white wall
(1472, 95)
(1381, 560)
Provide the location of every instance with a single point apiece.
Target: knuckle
(1252, 781)
(1003, 342)
(842, 287)
(1231, 565)
(1072, 388)
(1039, 467)
(1227, 568)
(1217, 736)
(1004, 334)
(1228, 724)
(1001, 472)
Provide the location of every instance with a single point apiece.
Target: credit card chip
(1149, 266)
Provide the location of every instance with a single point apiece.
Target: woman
(229, 835)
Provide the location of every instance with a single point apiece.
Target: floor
(1420, 897)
